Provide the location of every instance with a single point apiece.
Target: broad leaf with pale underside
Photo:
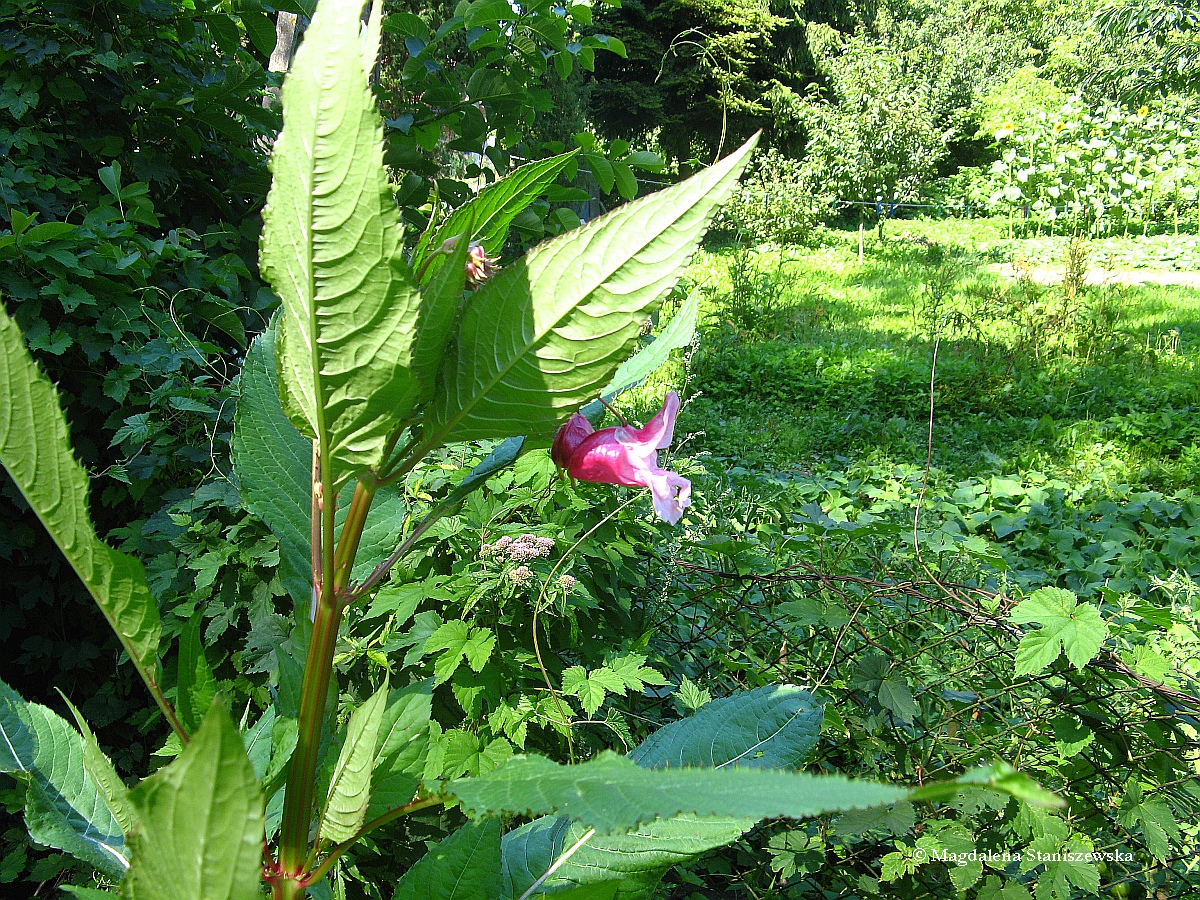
(350, 785)
(332, 250)
(36, 451)
(201, 830)
(775, 726)
(64, 807)
(547, 333)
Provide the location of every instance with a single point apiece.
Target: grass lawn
(811, 361)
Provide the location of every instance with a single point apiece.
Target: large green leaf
(547, 333)
(402, 746)
(350, 786)
(36, 451)
(610, 793)
(465, 866)
(195, 685)
(772, 727)
(637, 859)
(332, 250)
(677, 333)
(201, 831)
(63, 807)
(489, 213)
(273, 462)
(441, 301)
(104, 775)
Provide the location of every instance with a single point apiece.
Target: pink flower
(626, 455)
(480, 266)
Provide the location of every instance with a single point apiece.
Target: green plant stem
(392, 814)
(382, 569)
(352, 529)
(409, 463)
(167, 710)
(318, 670)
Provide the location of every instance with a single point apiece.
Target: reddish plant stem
(318, 671)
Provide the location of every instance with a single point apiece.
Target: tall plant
(378, 359)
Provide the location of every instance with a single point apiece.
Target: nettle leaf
(332, 250)
(201, 832)
(350, 785)
(771, 727)
(465, 866)
(610, 793)
(36, 451)
(273, 462)
(487, 216)
(548, 332)
(1068, 626)
(64, 808)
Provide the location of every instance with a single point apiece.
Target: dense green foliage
(1030, 596)
(130, 267)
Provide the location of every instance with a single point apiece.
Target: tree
(700, 74)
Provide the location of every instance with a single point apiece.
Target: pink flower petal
(569, 437)
(628, 456)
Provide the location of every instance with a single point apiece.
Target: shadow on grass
(856, 386)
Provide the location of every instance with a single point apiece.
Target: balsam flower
(626, 455)
(480, 266)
